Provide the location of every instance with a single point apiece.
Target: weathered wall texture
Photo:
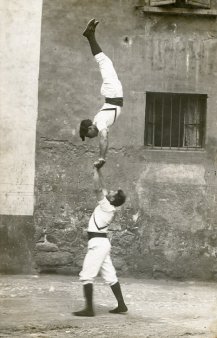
(19, 43)
(19, 68)
(168, 225)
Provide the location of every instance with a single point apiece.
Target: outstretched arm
(103, 146)
(98, 184)
(103, 143)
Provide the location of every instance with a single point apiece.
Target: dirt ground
(42, 306)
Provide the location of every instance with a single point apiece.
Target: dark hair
(120, 198)
(85, 124)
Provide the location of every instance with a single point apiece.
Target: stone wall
(167, 226)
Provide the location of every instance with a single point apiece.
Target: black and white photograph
(108, 168)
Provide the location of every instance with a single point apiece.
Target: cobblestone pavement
(42, 306)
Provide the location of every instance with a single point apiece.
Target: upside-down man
(111, 89)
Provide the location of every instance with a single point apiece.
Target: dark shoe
(119, 309)
(91, 26)
(84, 313)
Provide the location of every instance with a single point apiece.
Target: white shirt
(105, 118)
(101, 217)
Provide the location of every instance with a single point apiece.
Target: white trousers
(111, 86)
(98, 260)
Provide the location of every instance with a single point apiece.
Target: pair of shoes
(99, 163)
(84, 313)
(119, 309)
(91, 26)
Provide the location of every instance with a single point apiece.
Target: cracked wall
(167, 226)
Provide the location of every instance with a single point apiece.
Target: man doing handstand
(111, 89)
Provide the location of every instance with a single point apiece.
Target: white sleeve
(105, 205)
(101, 125)
(100, 121)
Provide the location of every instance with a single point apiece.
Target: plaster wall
(167, 226)
(19, 69)
(20, 41)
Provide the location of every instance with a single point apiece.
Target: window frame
(203, 118)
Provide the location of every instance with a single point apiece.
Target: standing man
(112, 91)
(98, 254)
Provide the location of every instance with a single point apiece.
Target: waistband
(116, 101)
(96, 234)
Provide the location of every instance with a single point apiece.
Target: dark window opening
(175, 120)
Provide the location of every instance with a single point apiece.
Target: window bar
(196, 118)
(153, 125)
(148, 124)
(180, 105)
(201, 122)
(187, 124)
(162, 122)
(171, 117)
(183, 139)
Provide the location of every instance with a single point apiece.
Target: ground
(42, 306)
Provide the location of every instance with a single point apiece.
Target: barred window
(175, 120)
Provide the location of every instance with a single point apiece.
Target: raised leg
(89, 33)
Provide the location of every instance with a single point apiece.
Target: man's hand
(99, 163)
